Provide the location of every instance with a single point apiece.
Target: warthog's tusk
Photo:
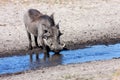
(63, 45)
(45, 41)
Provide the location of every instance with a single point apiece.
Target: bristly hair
(49, 19)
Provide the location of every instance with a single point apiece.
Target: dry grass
(116, 75)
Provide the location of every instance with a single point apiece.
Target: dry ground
(83, 21)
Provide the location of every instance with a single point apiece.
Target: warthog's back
(34, 14)
(31, 20)
(34, 19)
(31, 27)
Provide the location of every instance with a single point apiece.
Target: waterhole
(16, 64)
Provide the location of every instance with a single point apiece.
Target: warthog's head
(52, 38)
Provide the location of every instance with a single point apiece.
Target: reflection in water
(23, 63)
(54, 60)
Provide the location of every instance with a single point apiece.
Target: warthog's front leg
(44, 47)
(41, 42)
(40, 35)
(46, 52)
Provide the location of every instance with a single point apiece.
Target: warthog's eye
(45, 31)
(60, 34)
(45, 37)
(51, 44)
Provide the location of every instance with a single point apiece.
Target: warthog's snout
(57, 48)
(54, 46)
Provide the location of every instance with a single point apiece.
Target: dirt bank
(83, 22)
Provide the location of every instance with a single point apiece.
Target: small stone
(43, 71)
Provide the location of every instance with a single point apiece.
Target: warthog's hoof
(30, 48)
(38, 47)
(65, 48)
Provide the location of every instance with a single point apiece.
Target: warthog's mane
(37, 15)
(48, 18)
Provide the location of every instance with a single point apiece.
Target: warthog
(44, 30)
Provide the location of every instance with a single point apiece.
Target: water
(22, 63)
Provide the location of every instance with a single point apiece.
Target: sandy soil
(83, 22)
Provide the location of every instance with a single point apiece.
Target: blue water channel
(22, 63)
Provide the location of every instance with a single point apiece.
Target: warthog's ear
(57, 25)
(61, 33)
(52, 16)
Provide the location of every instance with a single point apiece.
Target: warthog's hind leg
(30, 41)
(36, 43)
(31, 56)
